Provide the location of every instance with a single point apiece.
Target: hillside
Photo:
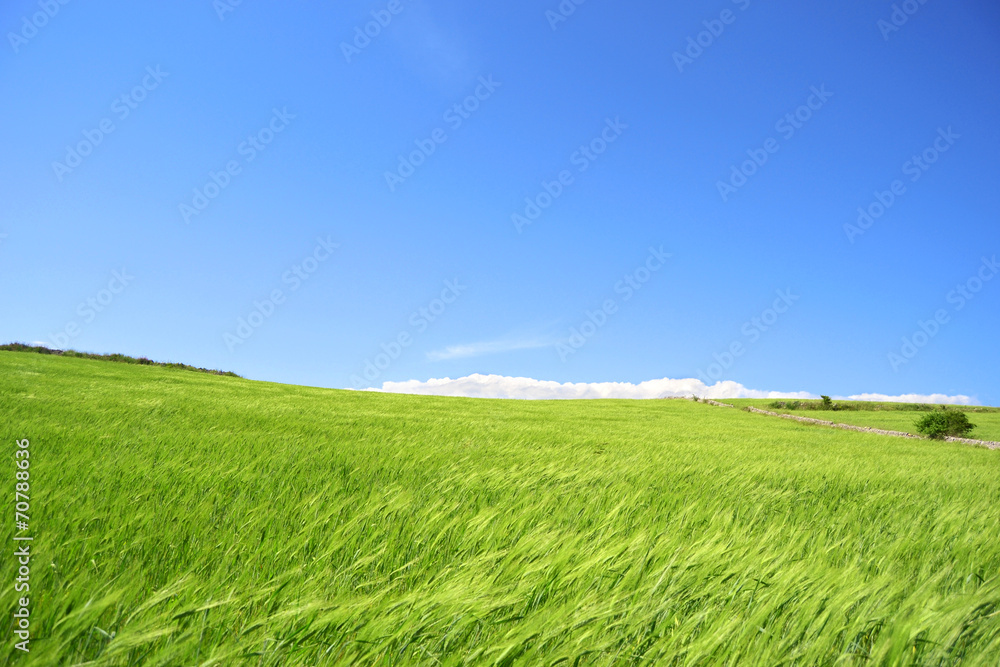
(891, 416)
(192, 518)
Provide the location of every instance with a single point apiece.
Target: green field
(183, 518)
(889, 416)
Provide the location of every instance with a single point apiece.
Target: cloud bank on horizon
(500, 386)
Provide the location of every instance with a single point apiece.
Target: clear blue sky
(308, 129)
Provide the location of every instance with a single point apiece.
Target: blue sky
(595, 193)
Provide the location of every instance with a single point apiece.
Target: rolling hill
(195, 518)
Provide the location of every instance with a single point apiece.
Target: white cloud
(916, 398)
(485, 347)
(500, 386)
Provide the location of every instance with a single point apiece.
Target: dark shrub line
(120, 358)
(865, 406)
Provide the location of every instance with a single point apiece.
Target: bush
(943, 423)
(827, 404)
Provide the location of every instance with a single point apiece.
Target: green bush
(944, 422)
(827, 404)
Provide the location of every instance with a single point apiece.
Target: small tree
(827, 404)
(938, 425)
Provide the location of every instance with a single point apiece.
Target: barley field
(183, 518)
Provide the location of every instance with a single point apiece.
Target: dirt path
(989, 444)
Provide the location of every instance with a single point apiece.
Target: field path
(989, 444)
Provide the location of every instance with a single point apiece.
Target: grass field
(184, 518)
(987, 420)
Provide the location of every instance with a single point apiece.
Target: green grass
(184, 518)
(118, 358)
(889, 416)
